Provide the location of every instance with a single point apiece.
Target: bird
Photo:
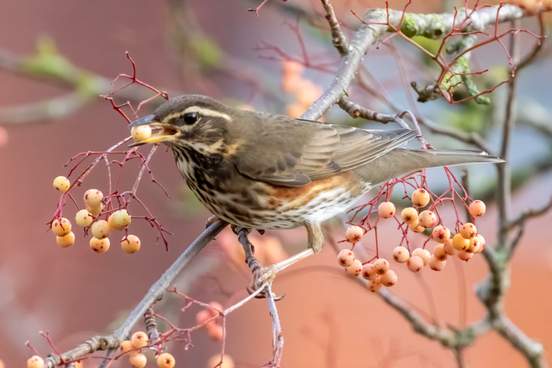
(263, 171)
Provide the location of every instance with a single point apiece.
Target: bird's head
(189, 121)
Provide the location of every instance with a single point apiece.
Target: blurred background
(57, 57)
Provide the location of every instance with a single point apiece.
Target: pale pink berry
(381, 265)
(389, 278)
(203, 316)
(215, 331)
(119, 219)
(84, 218)
(66, 240)
(386, 210)
(35, 362)
(354, 233)
(424, 254)
(465, 256)
(401, 254)
(460, 243)
(415, 263)
(99, 245)
(437, 264)
(477, 208)
(93, 197)
(95, 210)
(138, 360)
(439, 252)
(449, 248)
(61, 226)
(368, 271)
(440, 233)
(126, 346)
(355, 268)
(477, 243)
(141, 132)
(420, 198)
(130, 244)
(139, 339)
(165, 360)
(417, 228)
(373, 285)
(100, 229)
(215, 308)
(410, 216)
(345, 257)
(427, 218)
(468, 230)
(61, 184)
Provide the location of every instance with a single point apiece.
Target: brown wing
(293, 152)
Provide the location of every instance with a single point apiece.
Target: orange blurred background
(328, 320)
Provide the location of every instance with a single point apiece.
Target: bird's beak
(160, 132)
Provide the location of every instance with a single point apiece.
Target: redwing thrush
(263, 171)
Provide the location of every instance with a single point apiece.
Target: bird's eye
(190, 118)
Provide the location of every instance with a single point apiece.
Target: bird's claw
(262, 277)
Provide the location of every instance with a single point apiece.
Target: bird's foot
(262, 276)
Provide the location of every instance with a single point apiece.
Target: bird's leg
(262, 275)
(316, 241)
(315, 236)
(259, 278)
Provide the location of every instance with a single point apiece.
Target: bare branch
(470, 138)
(527, 215)
(504, 179)
(533, 351)
(339, 39)
(35, 112)
(358, 111)
(374, 26)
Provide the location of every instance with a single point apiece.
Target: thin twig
(357, 111)
(527, 215)
(504, 179)
(155, 292)
(339, 39)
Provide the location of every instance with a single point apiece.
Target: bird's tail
(402, 161)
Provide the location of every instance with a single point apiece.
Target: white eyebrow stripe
(208, 112)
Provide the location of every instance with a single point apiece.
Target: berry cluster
(90, 219)
(304, 91)
(378, 272)
(421, 217)
(134, 348)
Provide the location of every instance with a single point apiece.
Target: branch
(533, 351)
(374, 26)
(527, 215)
(470, 138)
(418, 323)
(51, 109)
(504, 178)
(52, 67)
(357, 111)
(339, 39)
(154, 293)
